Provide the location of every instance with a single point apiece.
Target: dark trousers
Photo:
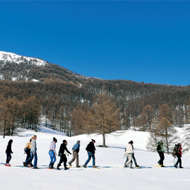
(161, 154)
(8, 157)
(63, 159)
(179, 161)
(27, 151)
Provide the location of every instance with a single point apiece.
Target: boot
(58, 167)
(51, 166)
(84, 166)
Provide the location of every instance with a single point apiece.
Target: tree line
(67, 106)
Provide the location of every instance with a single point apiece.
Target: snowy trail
(110, 176)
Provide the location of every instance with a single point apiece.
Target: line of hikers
(31, 153)
(177, 152)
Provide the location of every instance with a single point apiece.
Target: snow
(111, 175)
(14, 79)
(35, 80)
(14, 58)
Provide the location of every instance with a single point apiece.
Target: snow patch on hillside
(14, 58)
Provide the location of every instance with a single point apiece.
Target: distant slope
(58, 89)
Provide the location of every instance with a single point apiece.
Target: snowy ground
(111, 175)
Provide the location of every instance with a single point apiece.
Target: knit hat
(64, 141)
(131, 142)
(93, 140)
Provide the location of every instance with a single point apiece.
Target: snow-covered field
(110, 176)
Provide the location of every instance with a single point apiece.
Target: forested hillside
(29, 91)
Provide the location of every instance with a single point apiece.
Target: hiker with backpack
(177, 152)
(9, 152)
(91, 153)
(75, 150)
(160, 150)
(52, 152)
(27, 151)
(33, 154)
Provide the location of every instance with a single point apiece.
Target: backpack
(176, 150)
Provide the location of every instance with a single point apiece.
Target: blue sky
(144, 41)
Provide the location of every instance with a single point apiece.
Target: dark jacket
(9, 148)
(62, 149)
(91, 148)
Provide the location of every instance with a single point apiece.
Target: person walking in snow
(133, 158)
(33, 153)
(179, 155)
(27, 149)
(129, 151)
(9, 152)
(160, 150)
(75, 149)
(62, 153)
(91, 153)
(52, 152)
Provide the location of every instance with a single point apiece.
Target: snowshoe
(8, 165)
(158, 166)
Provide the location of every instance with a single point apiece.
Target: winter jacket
(52, 147)
(28, 145)
(91, 148)
(76, 147)
(179, 151)
(129, 149)
(160, 147)
(63, 149)
(9, 148)
(33, 145)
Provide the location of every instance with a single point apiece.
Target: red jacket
(180, 151)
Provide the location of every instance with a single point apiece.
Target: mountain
(21, 68)
(58, 91)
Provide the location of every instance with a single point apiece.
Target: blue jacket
(76, 147)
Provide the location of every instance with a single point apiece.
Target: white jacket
(52, 147)
(129, 149)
